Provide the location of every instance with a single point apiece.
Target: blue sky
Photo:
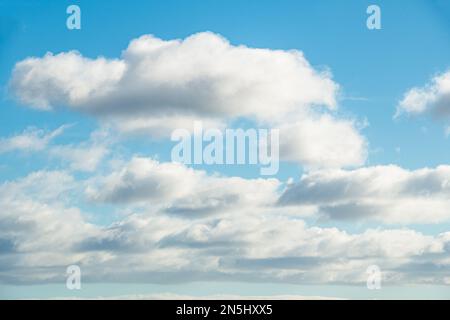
(374, 69)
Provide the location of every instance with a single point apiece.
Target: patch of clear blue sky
(374, 68)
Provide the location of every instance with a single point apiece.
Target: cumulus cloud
(201, 75)
(66, 78)
(322, 141)
(179, 189)
(433, 98)
(263, 248)
(157, 86)
(388, 194)
(39, 225)
(42, 232)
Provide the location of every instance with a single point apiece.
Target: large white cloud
(387, 194)
(41, 233)
(201, 75)
(383, 193)
(157, 86)
(180, 190)
(38, 226)
(64, 79)
(433, 98)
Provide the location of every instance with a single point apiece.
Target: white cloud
(180, 190)
(274, 249)
(157, 86)
(433, 98)
(67, 78)
(162, 127)
(384, 193)
(41, 233)
(85, 155)
(30, 140)
(35, 215)
(201, 75)
(82, 156)
(322, 142)
(296, 239)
